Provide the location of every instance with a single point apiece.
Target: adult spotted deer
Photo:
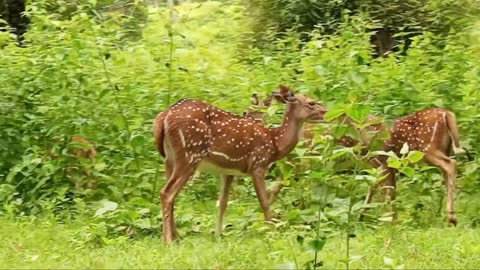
(433, 132)
(192, 135)
(308, 135)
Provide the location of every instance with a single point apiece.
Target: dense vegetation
(104, 73)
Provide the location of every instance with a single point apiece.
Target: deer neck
(287, 135)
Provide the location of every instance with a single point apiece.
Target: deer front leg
(223, 199)
(261, 190)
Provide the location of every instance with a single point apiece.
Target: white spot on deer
(221, 154)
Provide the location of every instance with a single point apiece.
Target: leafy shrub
(78, 76)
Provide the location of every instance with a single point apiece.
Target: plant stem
(349, 213)
(320, 208)
(348, 232)
(119, 107)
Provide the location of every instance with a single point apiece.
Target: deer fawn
(193, 135)
(84, 150)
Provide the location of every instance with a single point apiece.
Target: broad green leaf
(415, 156)
(408, 171)
(358, 112)
(334, 113)
(317, 244)
(394, 162)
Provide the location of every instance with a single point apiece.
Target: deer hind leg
(261, 190)
(180, 174)
(448, 167)
(168, 175)
(223, 199)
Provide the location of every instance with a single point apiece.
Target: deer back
(426, 130)
(196, 131)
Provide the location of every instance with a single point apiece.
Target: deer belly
(209, 167)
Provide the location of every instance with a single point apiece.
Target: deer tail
(454, 134)
(159, 132)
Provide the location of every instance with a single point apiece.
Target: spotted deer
(433, 132)
(308, 135)
(193, 135)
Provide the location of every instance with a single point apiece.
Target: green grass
(43, 244)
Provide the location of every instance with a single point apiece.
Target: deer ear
(285, 90)
(284, 94)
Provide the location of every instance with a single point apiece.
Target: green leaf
(120, 122)
(143, 223)
(341, 152)
(358, 112)
(300, 240)
(415, 156)
(393, 162)
(317, 244)
(408, 171)
(12, 173)
(334, 113)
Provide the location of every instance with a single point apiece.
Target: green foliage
(131, 15)
(40, 244)
(398, 16)
(79, 76)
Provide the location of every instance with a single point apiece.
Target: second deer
(433, 132)
(192, 135)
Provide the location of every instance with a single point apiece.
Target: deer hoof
(453, 221)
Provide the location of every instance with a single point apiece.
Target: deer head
(302, 108)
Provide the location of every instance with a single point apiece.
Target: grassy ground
(47, 245)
